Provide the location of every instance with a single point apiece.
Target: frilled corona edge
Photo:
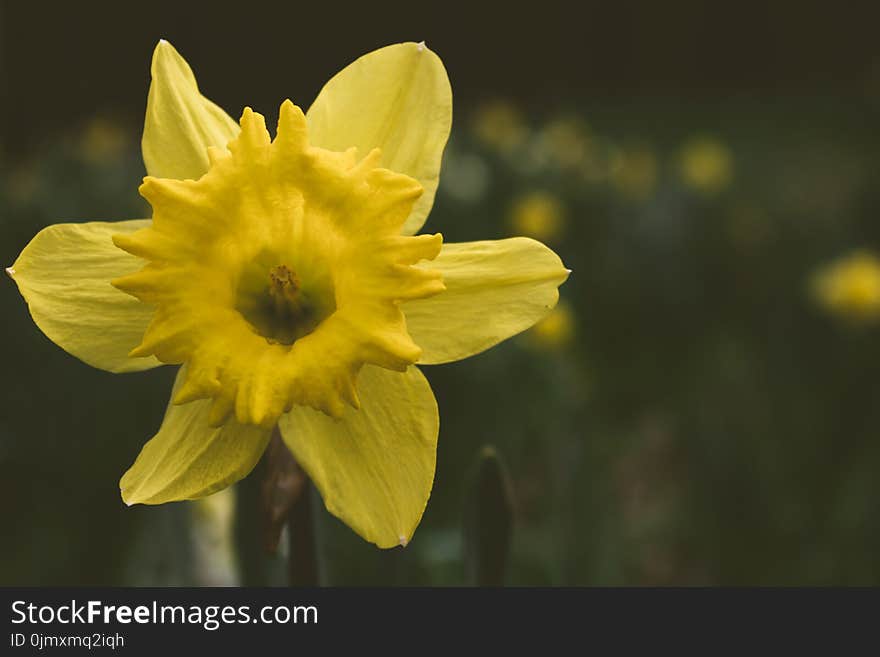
(279, 274)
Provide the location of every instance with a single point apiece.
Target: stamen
(284, 287)
(283, 283)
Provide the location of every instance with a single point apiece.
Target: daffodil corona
(285, 278)
(279, 273)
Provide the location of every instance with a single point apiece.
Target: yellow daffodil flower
(556, 330)
(538, 214)
(705, 165)
(565, 142)
(850, 287)
(103, 141)
(285, 278)
(500, 125)
(633, 172)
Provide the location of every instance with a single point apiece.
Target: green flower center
(277, 304)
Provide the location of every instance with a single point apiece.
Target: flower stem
(302, 565)
(277, 494)
(286, 499)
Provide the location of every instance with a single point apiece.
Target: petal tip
(403, 541)
(140, 351)
(162, 48)
(126, 501)
(291, 122)
(421, 46)
(10, 271)
(118, 241)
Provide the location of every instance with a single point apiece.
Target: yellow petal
(181, 123)
(375, 466)
(494, 290)
(398, 99)
(64, 275)
(188, 458)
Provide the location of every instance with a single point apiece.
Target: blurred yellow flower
(633, 172)
(705, 164)
(102, 140)
(500, 125)
(556, 330)
(21, 184)
(538, 214)
(565, 142)
(600, 158)
(850, 287)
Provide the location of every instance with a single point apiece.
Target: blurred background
(701, 408)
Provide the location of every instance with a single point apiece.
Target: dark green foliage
(706, 425)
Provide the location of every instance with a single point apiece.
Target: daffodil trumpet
(284, 276)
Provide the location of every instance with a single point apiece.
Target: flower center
(277, 304)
